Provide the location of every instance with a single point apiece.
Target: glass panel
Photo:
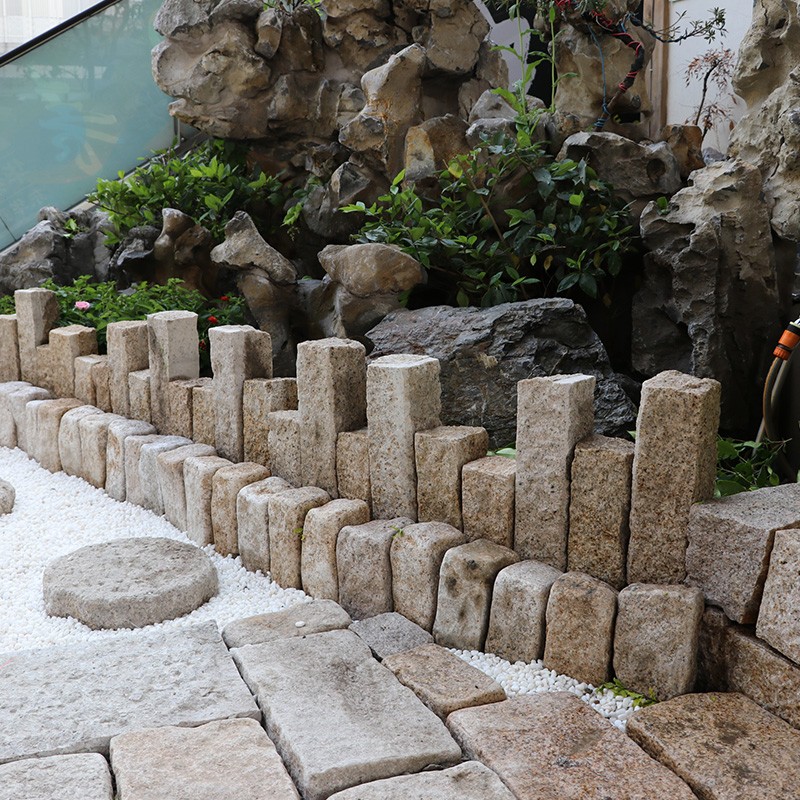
(81, 106)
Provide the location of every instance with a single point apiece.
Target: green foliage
(617, 688)
(209, 183)
(744, 465)
(289, 6)
(508, 222)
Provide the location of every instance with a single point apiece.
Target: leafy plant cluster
(209, 183)
(745, 465)
(618, 689)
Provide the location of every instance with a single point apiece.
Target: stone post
(56, 361)
(37, 312)
(261, 396)
(180, 406)
(487, 499)
(101, 380)
(9, 348)
(139, 395)
(284, 445)
(127, 352)
(204, 423)
(352, 466)
(84, 385)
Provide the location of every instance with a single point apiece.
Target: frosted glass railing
(82, 105)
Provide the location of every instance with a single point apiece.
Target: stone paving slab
(231, 759)
(74, 699)
(77, 777)
(337, 717)
(552, 746)
(390, 633)
(724, 746)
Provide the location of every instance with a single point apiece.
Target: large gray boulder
(483, 352)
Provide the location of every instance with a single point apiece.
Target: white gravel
(56, 514)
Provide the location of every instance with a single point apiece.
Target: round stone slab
(129, 583)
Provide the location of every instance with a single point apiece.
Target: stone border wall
(590, 552)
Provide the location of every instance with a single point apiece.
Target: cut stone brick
(180, 406)
(655, 639)
(9, 349)
(204, 423)
(116, 686)
(77, 777)
(599, 510)
(118, 432)
(84, 385)
(390, 633)
(363, 562)
(139, 395)
(101, 381)
(464, 597)
(287, 515)
(169, 475)
(57, 359)
(373, 727)
(127, 352)
(225, 486)
(416, 557)
(723, 745)
(17, 403)
(674, 466)
(730, 541)
(284, 445)
(252, 521)
(302, 619)
(580, 627)
(37, 313)
(442, 680)
(198, 480)
(135, 491)
(8, 428)
(403, 397)
(93, 432)
(320, 532)
(44, 422)
(261, 396)
(352, 466)
(779, 616)
(552, 746)
(69, 439)
(553, 415)
(519, 604)
(231, 759)
(151, 496)
(487, 498)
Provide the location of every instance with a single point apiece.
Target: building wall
(22, 20)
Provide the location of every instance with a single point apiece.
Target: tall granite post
(9, 348)
(37, 312)
(127, 352)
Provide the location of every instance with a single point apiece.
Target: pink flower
(82, 305)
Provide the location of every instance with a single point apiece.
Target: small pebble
(299, 624)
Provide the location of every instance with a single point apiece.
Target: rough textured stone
(56, 360)
(139, 395)
(580, 627)
(9, 349)
(129, 583)
(226, 484)
(352, 466)
(204, 424)
(148, 489)
(599, 508)
(118, 432)
(127, 352)
(226, 760)
(553, 414)
(180, 406)
(318, 556)
(372, 727)
(44, 421)
(656, 638)
(674, 466)
(316, 616)
(487, 499)
(93, 432)
(723, 745)
(7, 497)
(552, 746)
(37, 312)
(169, 473)
(390, 633)
(464, 596)
(260, 396)
(17, 403)
(198, 481)
(101, 382)
(416, 557)
(519, 604)
(284, 445)
(84, 386)
(730, 541)
(371, 268)
(69, 440)
(252, 522)
(779, 615)
(75, 777)
(116, 686)
(8, 428)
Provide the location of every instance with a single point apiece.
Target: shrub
(744, 466)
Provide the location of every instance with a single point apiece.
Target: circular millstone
(7, 497)
(129, 583)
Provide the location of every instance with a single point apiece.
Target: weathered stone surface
(686, 143)
(260, 396)
(69, 440)
(129, 583)
(352, 466)
(116, 686)
(779, 615)
(44, 421)
(484, 352)
(321, 528)
(75, 777)
(93, 432)
(580, 627)
(416, 557)
(284, 445)
(101, 382)
(127, 352)
(226, 760)
(372, 727)
(364, 566)
(371, 268)
(8, 428)
(252, 521)
(204, 423)
(180, 406)
(169, 474)
(723, 745)
(16, 402)
(656, 637)
(139, 395)
(432, 145)
(226, 484)
(599, 508)
(118, 432)
(552, 746)
(453, 41)
(84, 386)
(487, 499)
(730, 541)
(7, 497)
(390, 633)
(442, 680)
(198, 482)
(519, 604)
(149, 487)
(464, 596)
(56, 360)
(37, 313)
(674, 466)
(9, 349)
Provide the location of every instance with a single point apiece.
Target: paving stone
(148, 679)
(730, 542)
(7, 497)
(416, 557)
(169, 475)
(464, 596)
(129, 583)
(44, 422)
(468, 781)
(442, 680)
(390, 633)
(656, 637)
(180, 406)
(373, 727)
(252, 521)
(231, 759)
(779, 615)
(101, 380)
(139, 395)
(352, 466)
(287, 516)
(580, 627)
(9, 349)
(17, 401)
(519, 604)
(284, 445)
(261, 396)
(69, 439)
(84, 385)
(552, 746)
(93, 432)
(8, 428)
(127, 352)
(118, 432)
(724, 746)
(487, 499)
(204, 423)
(320, 532)
(599, 509)
(403, 397)
(37, 313)
(76, 777)
(148, 469)
(225, 486)
(302, 619)
(363, 562)
(674, 466)
(198, 482)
